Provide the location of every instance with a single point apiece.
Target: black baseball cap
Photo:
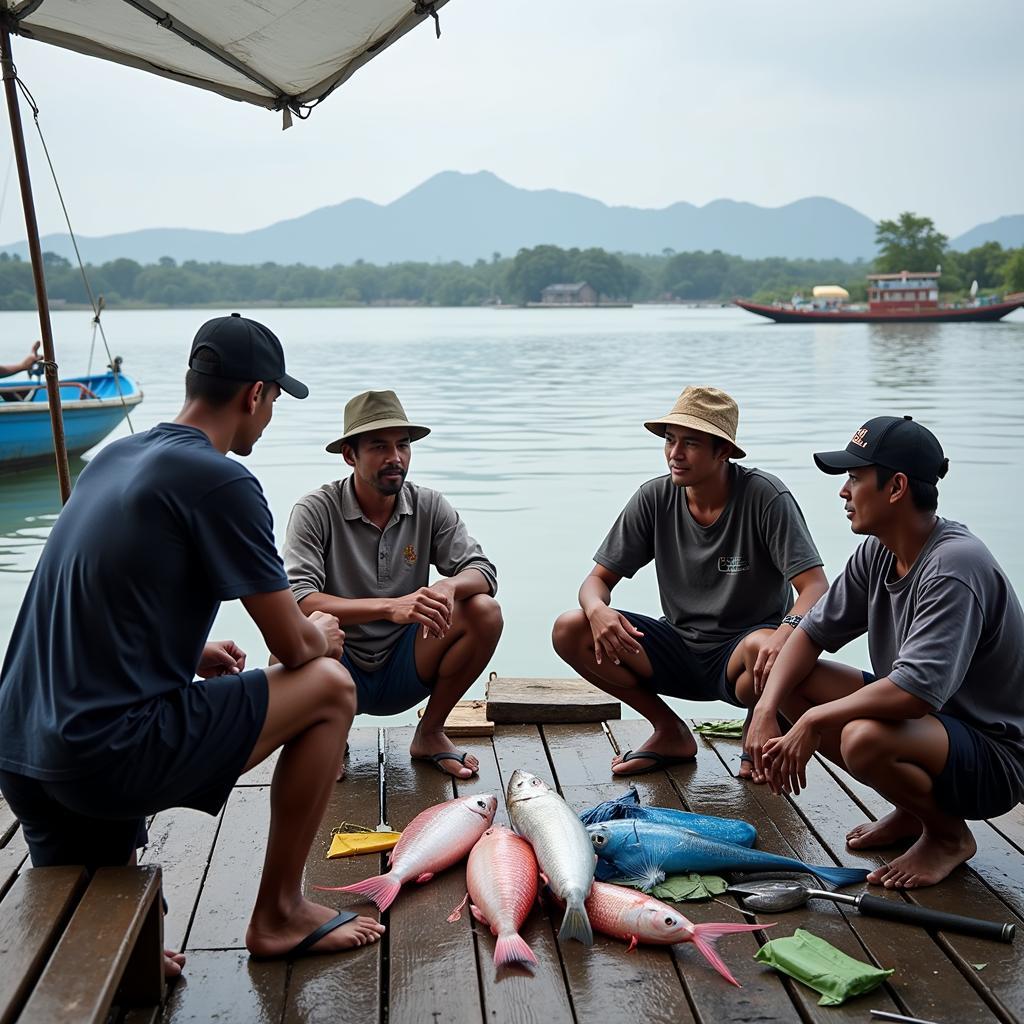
(245, 351)
(895, 442)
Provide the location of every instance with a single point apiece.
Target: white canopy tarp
(282, 54)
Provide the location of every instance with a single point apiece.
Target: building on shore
(581, 294)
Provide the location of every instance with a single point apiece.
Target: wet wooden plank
(262, 774)
(345, 986)
(467, 718)
(227, 987)
(432, 964)
(10, 864)
(548, 700)
(598, 976)
(516, 993)
(8, 822)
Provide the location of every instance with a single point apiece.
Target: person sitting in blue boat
(361, 548)
(729, 545)
(24, 366)
(937, 725)
(102, 721)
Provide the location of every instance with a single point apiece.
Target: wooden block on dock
(548, 700)
(468, 718)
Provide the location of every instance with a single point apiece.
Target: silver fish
(563, 848)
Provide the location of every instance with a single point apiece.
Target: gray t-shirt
(330, 547)
(720, 580)
(950, 632)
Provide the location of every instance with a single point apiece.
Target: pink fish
(628, 914)
(501, 876)
(434, 840)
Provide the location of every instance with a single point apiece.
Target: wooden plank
(925, 984)
(432, 972)
(467, 718)
(346, 986)
(597, 976)
(117, 925)
(521, 701)
(32, 917)
(8, 822)
(226, 986)
(10, 865)
(263, 773)
(516, 993)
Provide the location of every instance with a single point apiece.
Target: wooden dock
(426, 971)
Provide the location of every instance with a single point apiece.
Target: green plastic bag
(731, 728)
(821, 966)
(680, 888)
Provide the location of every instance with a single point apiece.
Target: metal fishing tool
(776, 895)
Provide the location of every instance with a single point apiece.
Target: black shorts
(99, 819)
(683, 670)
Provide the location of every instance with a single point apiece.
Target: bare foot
(173, 963)
(425, 744)
(674, 741)
(275, 935)
(928, 861)
(898, 825)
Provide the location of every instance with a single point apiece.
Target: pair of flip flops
(305, 947)
(448, 755)
(661, 761)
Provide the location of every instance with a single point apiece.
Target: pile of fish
(621, 840)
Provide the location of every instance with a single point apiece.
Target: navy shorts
(395, 686)
(190, 748)
(682, 670)
(976, 782)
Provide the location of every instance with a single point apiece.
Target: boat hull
(942, 315)
(91, 406)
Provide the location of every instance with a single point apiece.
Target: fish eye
(481, 803)
(535, 782)
(670, 921)
(599, 840)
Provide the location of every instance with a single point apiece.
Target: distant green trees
(908, 243)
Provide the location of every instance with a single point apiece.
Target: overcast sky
(884, 106)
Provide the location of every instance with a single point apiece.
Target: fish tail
(382, 889)
(575, 923)
(510, 949)
(706, 935)
(841, 876)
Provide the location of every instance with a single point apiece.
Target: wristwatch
(792, 620)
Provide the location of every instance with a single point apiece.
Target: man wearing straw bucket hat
(729, 545)
(361, 548)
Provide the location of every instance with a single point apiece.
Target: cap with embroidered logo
(895, 442)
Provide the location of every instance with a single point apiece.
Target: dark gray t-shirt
(720, 580)
(950, 632)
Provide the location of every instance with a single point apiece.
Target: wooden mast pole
(35, 251)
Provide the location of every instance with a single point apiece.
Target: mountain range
(465, 217)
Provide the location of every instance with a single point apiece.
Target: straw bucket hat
(375, 410)
(706, 409)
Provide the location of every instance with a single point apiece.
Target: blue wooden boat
(92, 406)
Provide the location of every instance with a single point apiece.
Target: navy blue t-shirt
(160, 528)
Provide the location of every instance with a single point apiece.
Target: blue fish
(628, 806)
(644, 852)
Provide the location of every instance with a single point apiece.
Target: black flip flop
(448, 755)
(661, 761)
(305, 947)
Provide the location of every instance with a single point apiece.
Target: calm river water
(537, 426)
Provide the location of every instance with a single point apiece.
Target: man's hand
(26, 363)
(614, 635)
(766, 657)
(764, 726)
(786, 757)
(430, 607)
(220, 658)
(332, 633)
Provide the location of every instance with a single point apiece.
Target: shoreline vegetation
(692, 278)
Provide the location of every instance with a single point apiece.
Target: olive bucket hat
(375, 410)
(702, 408)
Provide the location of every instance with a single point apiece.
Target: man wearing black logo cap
(937, 726)
(102, 721)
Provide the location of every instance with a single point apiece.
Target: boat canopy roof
(281, 54)
(830, 291)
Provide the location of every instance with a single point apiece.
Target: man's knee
(566, 633)
(862, 741)
(339, 689)
(483, 615)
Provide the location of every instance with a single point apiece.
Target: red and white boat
(892, 298)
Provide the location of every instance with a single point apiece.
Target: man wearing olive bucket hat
(729, 545)
(361, 548)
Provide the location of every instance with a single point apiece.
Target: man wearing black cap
(937, 726)
(102, 721)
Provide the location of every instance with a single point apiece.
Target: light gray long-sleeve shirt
(332, 548)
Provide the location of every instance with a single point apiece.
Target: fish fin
(575, 923)
(425, 877)
(478, 914)
(382, 889)
(511, 949)
(706, 935)
(456, 914)
(544, 878)
(633, 943)
(840, 876)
